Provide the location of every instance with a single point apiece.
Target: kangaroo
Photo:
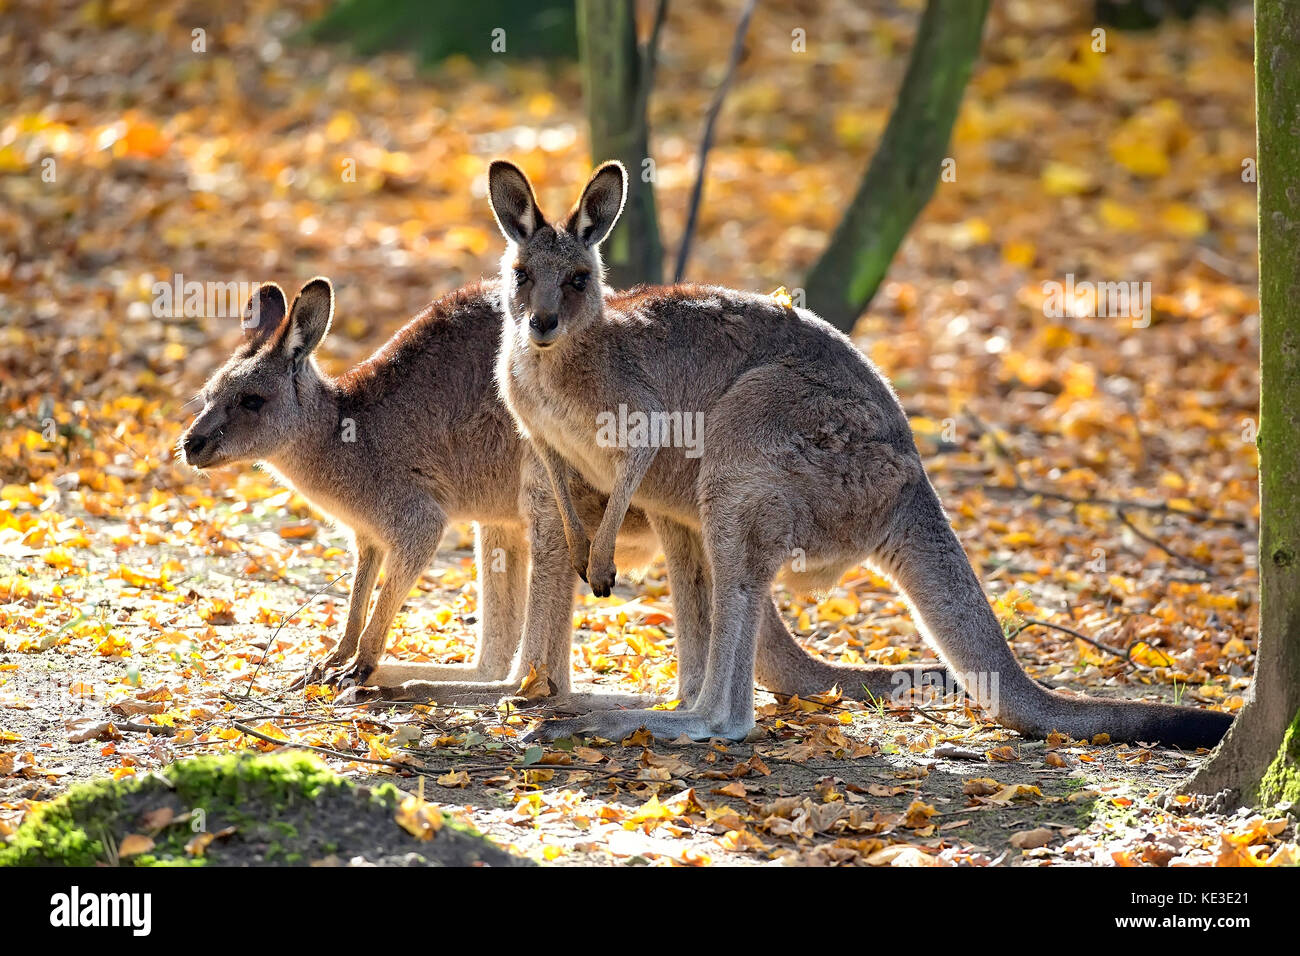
(409, 440)
(806, 454)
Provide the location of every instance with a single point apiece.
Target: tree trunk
(1260, 757)
(906, 164)
(612, 78)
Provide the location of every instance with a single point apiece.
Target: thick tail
(925, 559)
(783, 667)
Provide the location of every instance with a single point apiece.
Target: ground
(1099, 467)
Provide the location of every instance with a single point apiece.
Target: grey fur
(807, 452)
(433, 445)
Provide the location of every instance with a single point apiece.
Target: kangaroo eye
(253, 403)
(579, 281)
(521, 277)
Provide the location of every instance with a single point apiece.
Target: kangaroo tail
(923, 556)
(782, 666)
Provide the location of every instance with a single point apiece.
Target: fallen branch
(1155, 542)
(1124, 656)
(339, 754)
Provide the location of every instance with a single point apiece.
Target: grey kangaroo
(806, 455)
(416, 437)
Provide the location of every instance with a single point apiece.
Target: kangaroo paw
(601, 575)
(618, 724)
(352, 675)
(319, 673)
(356, 696)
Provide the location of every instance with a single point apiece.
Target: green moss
(285, 807)
(79, 828)
(1281, 782)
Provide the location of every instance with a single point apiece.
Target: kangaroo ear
(600, 206)
(263, 313)
(513, 202)
(309, 319)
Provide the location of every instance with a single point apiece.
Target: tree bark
(1258, 758)
(614, 80)
(906, 165)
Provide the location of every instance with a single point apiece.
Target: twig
(1114, 503)
(650, 58)
(706, 141)
(939, 721)
(271, 643)
(1122, 655)
(1019, 488)
(340, 754)
(1155, 542)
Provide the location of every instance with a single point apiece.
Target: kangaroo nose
(194, 445)
(543, 324)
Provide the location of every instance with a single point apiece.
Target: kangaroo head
(551, 277)
(254, 405)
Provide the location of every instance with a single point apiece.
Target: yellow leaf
(133, 845)
(58, 558)
(418, 817)
(199, 843)
(1146, 655)
(1019, 252)
(1184, 220)
(1061, 179)
(918, 814)
(1015, 791)
(535, 684)
(456, 778)
(1118, 217)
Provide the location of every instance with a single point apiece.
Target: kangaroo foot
(663, 724)
(350, 675)
(583, 702)
(318, 673)
(357, 695)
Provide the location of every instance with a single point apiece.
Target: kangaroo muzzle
(543, 329)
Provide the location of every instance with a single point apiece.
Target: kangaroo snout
(193, 446)
(542, 329)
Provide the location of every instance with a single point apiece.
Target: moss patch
(285, 808)
(1281, 782)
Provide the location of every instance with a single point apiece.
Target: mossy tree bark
(906, 166)
(1260, 757)
(615, 81)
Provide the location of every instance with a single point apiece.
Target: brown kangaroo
(413, 438)
(807, 464)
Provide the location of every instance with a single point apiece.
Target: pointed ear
(309, 319)
(513, 202)
(263, 313)
(601, 203)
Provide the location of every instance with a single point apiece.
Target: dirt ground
(824, 781)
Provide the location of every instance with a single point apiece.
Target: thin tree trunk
(906, 164)
(1259, 737)
(614, 81)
